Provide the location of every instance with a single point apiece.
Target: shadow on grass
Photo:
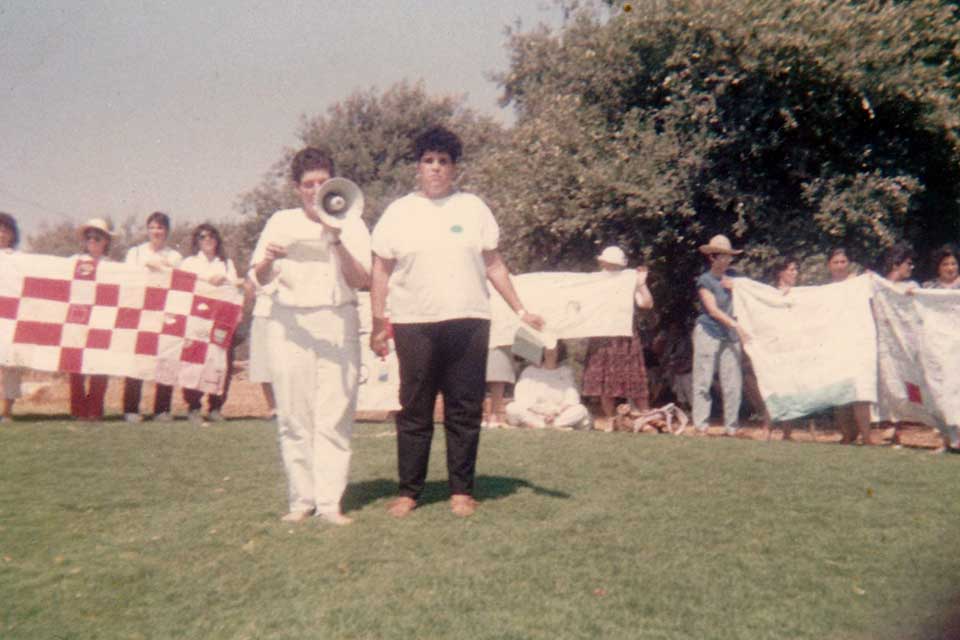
(360, 494)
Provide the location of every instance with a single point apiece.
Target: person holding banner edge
(434, 250)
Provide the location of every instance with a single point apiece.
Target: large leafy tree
(787, 124)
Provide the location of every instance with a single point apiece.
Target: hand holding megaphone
(337, 200)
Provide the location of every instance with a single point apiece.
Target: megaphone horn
(337, 200)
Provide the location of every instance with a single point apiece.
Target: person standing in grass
(313, 339)
(854, 417)
(9, 239)
(154, 254)
(87, 391)
(434, 250)
(897, 268)
(209, 261)
(717, 339)
(946, 264)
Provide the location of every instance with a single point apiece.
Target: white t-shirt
(439, 272)
(309, 275)
(206, 267)
(143, 254)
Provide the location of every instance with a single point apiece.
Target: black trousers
(132, 387)
(449, 357)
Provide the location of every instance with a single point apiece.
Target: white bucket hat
(613, 255)
(720, 244)
(98, 224)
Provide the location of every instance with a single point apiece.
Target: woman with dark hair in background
(209, 261)
(897, 267)
(854, 417)
(86, 403)
(154, 254)
(9, 239)
(946, 265)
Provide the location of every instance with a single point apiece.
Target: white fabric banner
(573, 305)
(918, 343)
(811, 349)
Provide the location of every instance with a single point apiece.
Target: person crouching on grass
(313, 339)
(434, 250)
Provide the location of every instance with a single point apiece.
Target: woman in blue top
(716, 339)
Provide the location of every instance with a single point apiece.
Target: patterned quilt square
(8, 307)
(78, 314)
(104, 317)
(198, 328)
(42, 333)
(74, 335)
(147, 342)
(179, 302)
(71, 360)
(202, 307)
(155, 299)
(128, 318)
(194, 351)
(151, 321)
(174, 325)
(46, 289)
(83, 292)
(220, 335)
(43, 310)
(108, 295)
(85, 270)
(131, 297)
(99, 338)
(183, 280)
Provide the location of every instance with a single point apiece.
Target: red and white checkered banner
(80, 316)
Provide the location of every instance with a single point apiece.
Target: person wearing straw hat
(87, 391)
(717, 339)
(614, 366)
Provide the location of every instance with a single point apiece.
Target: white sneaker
(195, 417)
(163, 417)
(215, 416)
(133, 418)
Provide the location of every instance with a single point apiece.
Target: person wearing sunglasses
(211, 264)
(154, 254)
(87, 391)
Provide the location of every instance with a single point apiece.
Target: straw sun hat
(97, 224)
(719, 244)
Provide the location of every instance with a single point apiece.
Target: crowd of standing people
(428, 263)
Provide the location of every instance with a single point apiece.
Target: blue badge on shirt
(456, 229)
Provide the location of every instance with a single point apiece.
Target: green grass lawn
(116, 531)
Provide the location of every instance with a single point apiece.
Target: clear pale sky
(122, 107)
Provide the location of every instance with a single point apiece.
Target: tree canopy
(788, 125)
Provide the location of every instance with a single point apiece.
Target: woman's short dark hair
(780, 265)
(438, 139)
(8, 221)
(895, 256)
(946, 251)
(160, 218)
(311, 159)
(838, 251)
(195, 240)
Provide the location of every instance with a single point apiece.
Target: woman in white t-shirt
(154, 254)
(434, 251)
(9, 239)
(210, 262)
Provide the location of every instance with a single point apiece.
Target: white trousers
(523, 416)
(314, 364)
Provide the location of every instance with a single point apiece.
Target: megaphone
(337, 200)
